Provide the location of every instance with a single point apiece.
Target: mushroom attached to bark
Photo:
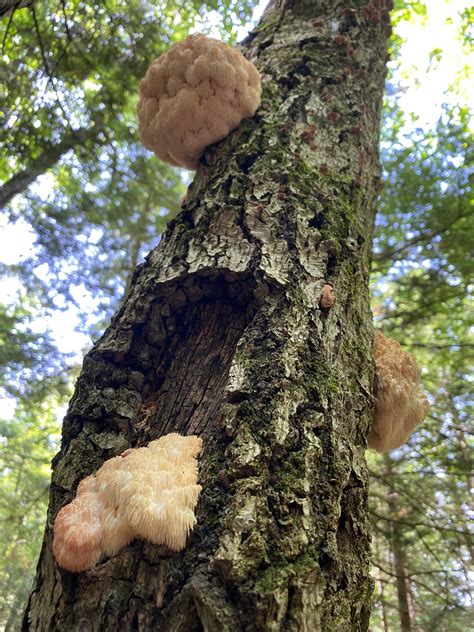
(193, 96)
(400, 403)
(147, 493)
(328, 296)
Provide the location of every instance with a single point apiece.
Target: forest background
(83, 202)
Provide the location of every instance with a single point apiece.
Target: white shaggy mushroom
(400, 403)
(148, 493)
(193, 96)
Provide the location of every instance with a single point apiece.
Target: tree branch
(8, 7)
(390, 254)
(421, 524)
(50, 156)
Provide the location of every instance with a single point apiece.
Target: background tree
(25, 452)
(422, 294)
(83, 251)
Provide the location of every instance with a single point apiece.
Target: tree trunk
(402, 580)
(398, 546)
(383, 602)
(222, 334)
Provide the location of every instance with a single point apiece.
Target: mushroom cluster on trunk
(148, 493)
(193, 96)
(400, 403)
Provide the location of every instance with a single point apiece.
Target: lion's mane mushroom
(147, 493)
(193, 96)
(400, 403)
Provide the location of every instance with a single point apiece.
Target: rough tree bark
(222, 334)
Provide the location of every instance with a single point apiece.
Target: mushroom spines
(147, 492)
(193, 96)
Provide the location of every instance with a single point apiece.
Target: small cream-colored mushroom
(147, 493)
(193, 96)
(400, 403)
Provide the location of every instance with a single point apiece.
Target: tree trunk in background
(401, 578)
(398, 545)
(222, 334)
(383, 604)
